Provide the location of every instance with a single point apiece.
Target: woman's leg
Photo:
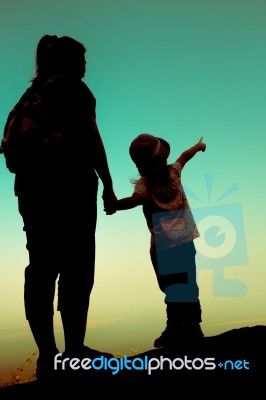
(40, 274)
(77, 271)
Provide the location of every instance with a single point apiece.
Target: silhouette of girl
(173, 230)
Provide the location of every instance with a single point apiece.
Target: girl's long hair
(160, 184)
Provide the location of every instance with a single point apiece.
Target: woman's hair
(55, 55)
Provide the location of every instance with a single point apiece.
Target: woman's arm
(100, 158)
(102, 168)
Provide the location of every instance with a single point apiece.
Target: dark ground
(244, 376)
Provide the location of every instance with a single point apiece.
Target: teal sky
(179, 70)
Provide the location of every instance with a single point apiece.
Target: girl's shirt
(167, 211)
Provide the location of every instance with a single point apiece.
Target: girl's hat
(148, 152)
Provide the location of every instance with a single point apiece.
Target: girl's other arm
(188, 154)
(129, 202)
(126, 203)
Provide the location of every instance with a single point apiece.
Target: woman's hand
(109, 200)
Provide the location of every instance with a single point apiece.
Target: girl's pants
(175, 269)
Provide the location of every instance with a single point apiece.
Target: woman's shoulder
(65, 87)
(58, 81)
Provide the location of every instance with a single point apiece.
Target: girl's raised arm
(188, 154)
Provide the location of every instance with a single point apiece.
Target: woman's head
(149, 153)
(59, 55)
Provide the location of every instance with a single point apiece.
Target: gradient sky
(179, 70)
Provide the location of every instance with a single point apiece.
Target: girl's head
(63, 56)
(149, 153)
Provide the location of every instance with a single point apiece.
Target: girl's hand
(201, 145)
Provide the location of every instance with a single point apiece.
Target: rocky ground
(231, 362)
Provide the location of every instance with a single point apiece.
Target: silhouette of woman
(57, 198)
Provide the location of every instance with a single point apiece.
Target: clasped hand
(109, 201)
